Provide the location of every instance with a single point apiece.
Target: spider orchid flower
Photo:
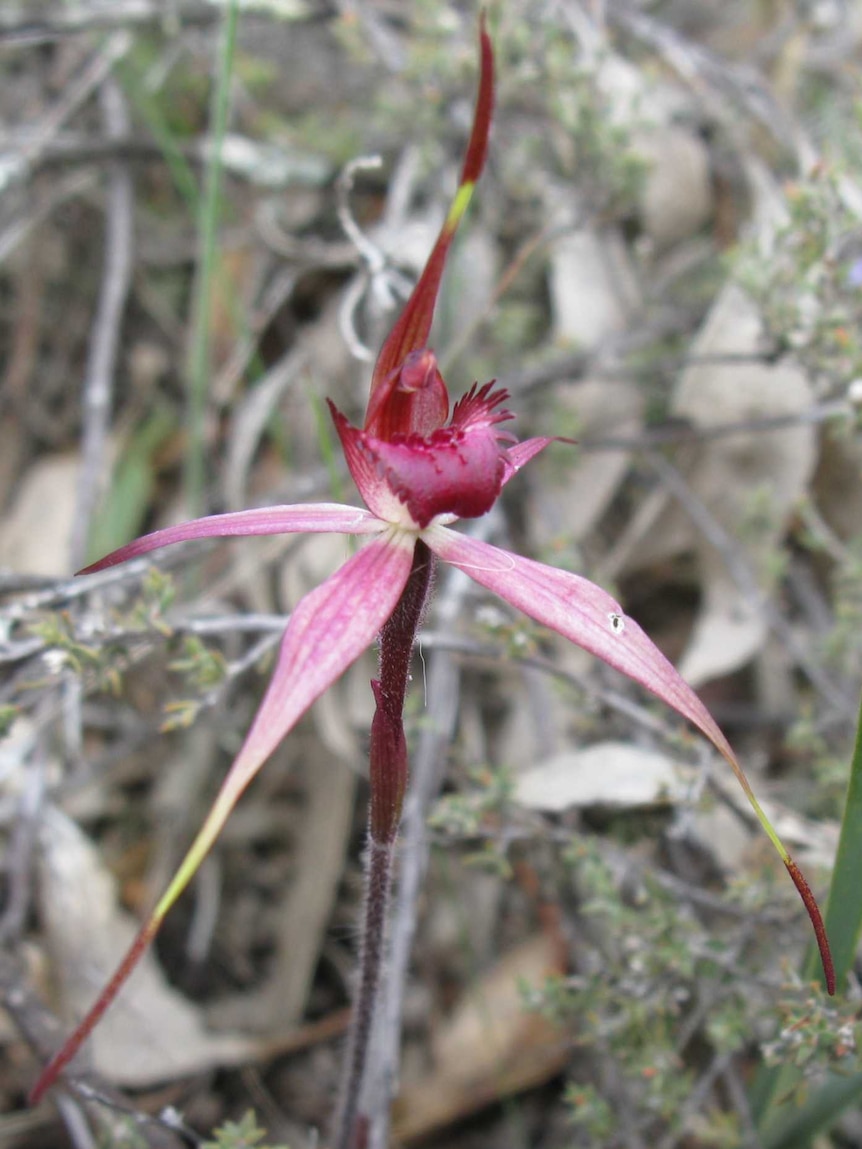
(418, 470)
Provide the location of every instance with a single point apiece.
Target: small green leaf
(244, 1134)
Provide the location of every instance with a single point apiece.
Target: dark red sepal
(412, 328)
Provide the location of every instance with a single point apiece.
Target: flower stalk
(388, 770)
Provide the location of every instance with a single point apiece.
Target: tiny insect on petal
(588, 616)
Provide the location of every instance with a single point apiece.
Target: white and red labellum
(410, 477)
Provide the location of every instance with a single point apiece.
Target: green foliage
(148, 611)
(100, 654)
(812, 1032)
(844, 908)
(168, 119)
(581, 139)
(244, 1134)
(807, 743)
(66, 649)
(203, 670)
(209, 222)
(132, 486)
(598, 149)
(519, 637)
(119, 1131)
(841, 646)
(655, 984)
(201, 666)
(515, 324)
(8, 714)
(476, 809)
(806, 283)
(589, 1111)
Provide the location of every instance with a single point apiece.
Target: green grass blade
(132, 484)
(182, 174)
(843, 926)
(326, 446)
(798, 1128)
(208, 225)
(844, 908)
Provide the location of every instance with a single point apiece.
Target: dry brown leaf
(36, 531)
(729, 631)
(152, 1033)
(838, 483)
(749, 483)
(594, 292)
(489, 1048)
(741, 479)
(319, 851)
(605, 774)
(574, 498)
(676, 199)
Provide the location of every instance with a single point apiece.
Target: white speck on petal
(854, 393)
(617, 622)
(55, 660)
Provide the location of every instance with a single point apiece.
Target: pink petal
(298, 518)
(519, 454)
(587, 616)
(329, 629)
(582, 612)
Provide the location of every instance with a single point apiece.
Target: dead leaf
(594, 292)
(491, 1046)
(151, 1033)
(304, 912)
(605, 774)
(574, 497)
(676, 199)
(36, 532)
(838, 483)
(728, 632)
(748, 482)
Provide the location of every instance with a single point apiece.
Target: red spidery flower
(418, 471)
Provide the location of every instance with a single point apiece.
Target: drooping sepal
(328, 630)
(585, 614)
(813, 910)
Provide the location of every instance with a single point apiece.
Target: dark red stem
(388, 778)
(816, 921)
(388, 749)
(378, 880)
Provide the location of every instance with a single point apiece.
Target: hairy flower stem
(378, 877)
(388, 777)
